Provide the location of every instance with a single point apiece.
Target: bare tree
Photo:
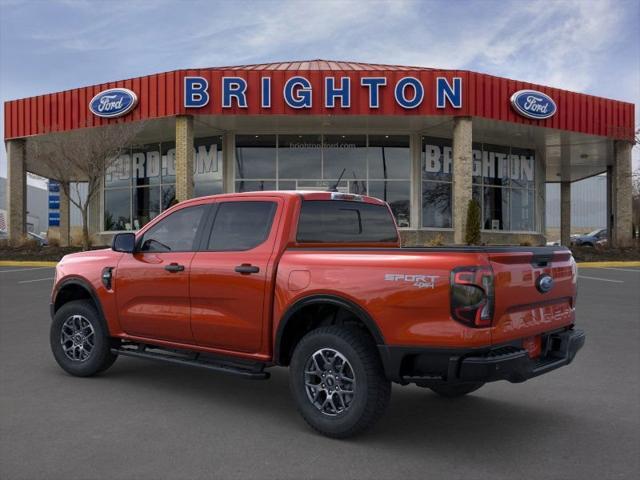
(82, 156)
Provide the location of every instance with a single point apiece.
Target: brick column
(16, 191)
(462, 175)
(622, 190)
(565, 213)
(416, 180)
(65, 218)
(184, 157)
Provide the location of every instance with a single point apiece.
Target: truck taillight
(472, 296)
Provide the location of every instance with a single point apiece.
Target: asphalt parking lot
(148, 420)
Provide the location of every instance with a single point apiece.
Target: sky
(582, 45)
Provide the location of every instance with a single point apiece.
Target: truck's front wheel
(337, 381)
(79, 340)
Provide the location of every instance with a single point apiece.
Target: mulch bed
(590, 254)
(36, 253)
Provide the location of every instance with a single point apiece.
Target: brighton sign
(533, 104)
(113, 103)
(408, 92)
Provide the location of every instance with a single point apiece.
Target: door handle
(174, 267)
(247, 268)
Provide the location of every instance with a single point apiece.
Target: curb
(608, 264)
(26, 263)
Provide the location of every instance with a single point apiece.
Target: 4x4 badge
(420, 281)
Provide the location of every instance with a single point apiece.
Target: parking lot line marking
(36, 280)
(23, 269)
(601, 279)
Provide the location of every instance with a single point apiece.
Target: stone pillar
(462, 175)
(610, 203)
(65, 217)
(416, 180)
(622, 193)
(184, 157)
(16, 191)
(565, 213)
(228, 162)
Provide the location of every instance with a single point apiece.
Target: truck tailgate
(527, 303)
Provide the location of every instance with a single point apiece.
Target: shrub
(472, 233)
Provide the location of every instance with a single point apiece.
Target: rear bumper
(425, 366)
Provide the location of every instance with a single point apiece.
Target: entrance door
(152, 284)
(229, 275)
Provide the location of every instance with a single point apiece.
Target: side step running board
(252, 371)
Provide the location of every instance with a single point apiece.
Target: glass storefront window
(168, 162)
(436, 175)
(146, 205)
(146, 165)
(389, 157)
(117, 209)
(503, 184)
(378, 165)
(255, 156)
(495, 165)
(255, 185)
(496, 208)
(118, 174)
(436, 204)
(522, 166)
(345, 152)
(522, 209)
(168, 198)
(207, 168)
(299, 156)
(397, 194)
(151, 171)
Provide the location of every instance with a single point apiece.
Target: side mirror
(124, 242)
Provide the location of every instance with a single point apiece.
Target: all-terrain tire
(456, 390)
(79, 340)
(358, 356)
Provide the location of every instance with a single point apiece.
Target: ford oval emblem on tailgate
(544, 283)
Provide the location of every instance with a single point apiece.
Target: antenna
(335, 186)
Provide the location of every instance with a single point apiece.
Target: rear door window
(241, 225)
(337, 221)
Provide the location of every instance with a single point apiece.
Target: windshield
(594, 233)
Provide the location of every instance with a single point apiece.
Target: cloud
(582, 45)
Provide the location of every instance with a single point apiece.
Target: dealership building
(425, 140)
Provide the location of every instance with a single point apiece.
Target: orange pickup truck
(316, 281)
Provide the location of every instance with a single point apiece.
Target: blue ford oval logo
(533, 104)
(544, 283)
(114, 102)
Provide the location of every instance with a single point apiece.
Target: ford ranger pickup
(318, 282)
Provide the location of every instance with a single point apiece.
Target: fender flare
(85, 285)
(336, 300)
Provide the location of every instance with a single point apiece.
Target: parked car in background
(590, 239)
(42, 240)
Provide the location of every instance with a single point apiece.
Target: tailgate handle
(247, 268)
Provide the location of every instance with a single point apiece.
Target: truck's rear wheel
(337, 381)
(79, 340)
(456, 390)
